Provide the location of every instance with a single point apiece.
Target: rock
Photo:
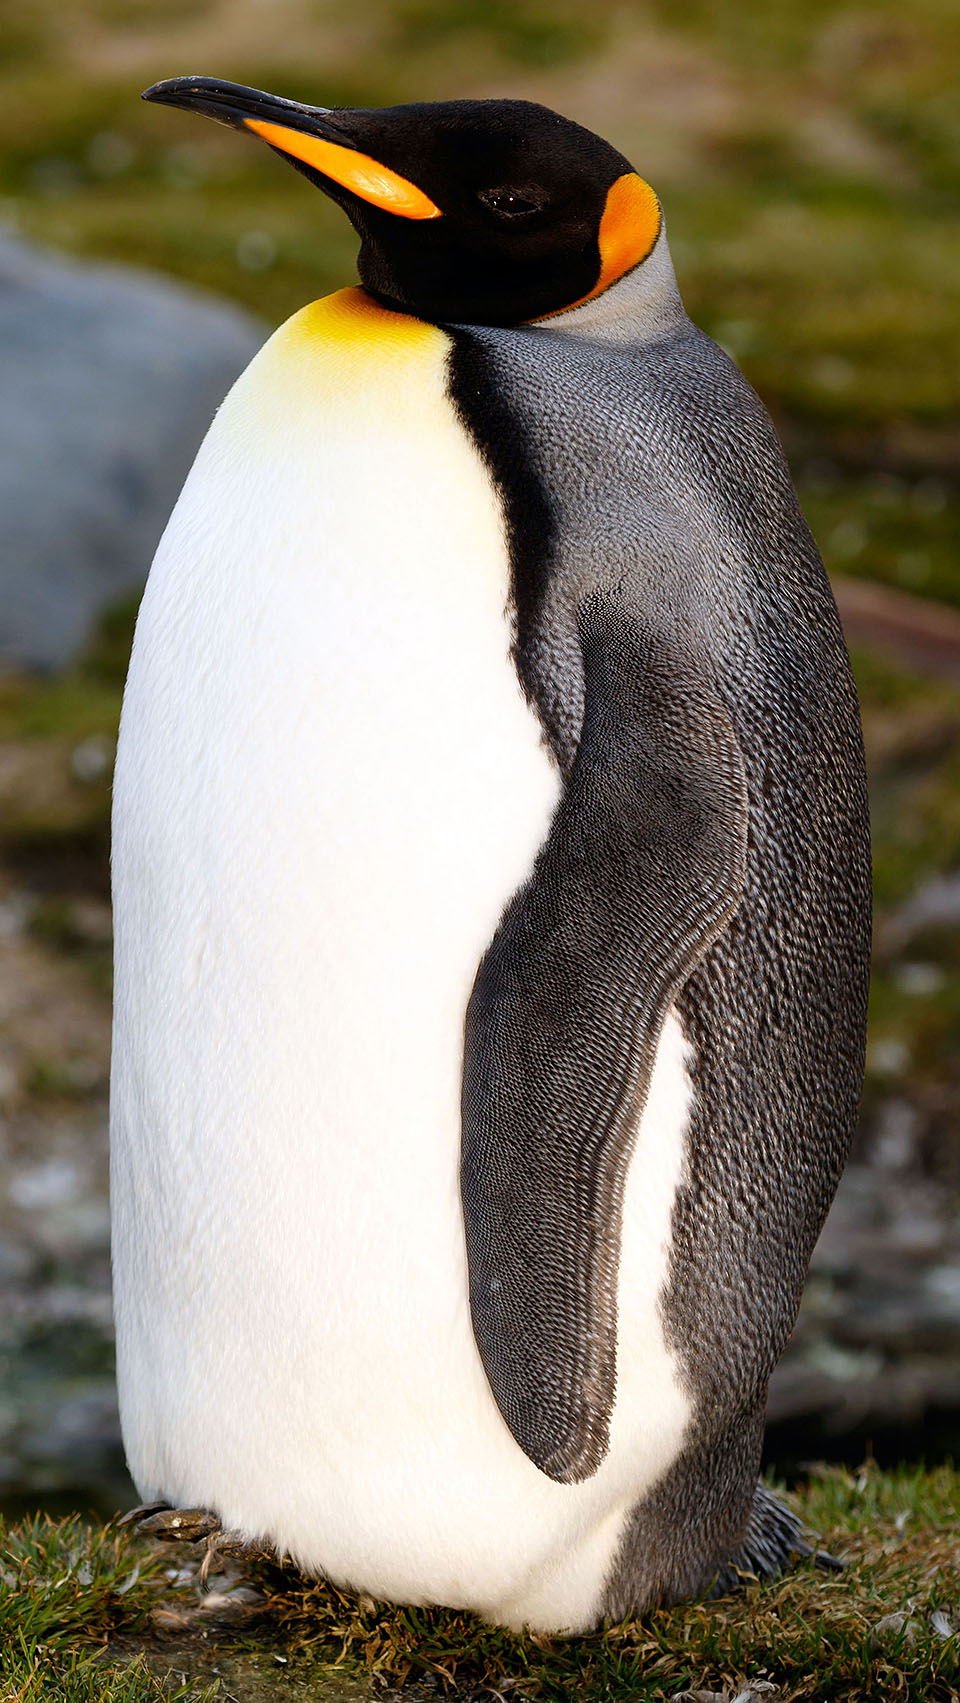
(109, 381)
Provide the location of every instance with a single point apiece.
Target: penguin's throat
(641, 306)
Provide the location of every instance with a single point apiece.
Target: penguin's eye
(509, 203)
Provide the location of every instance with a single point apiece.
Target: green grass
(76, 1603)
(65, 1587)
(35, 1674)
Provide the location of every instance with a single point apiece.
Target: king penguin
(491, 879)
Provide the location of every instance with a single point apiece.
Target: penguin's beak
(315, 137)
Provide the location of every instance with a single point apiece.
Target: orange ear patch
(628, 230)
(357, 172)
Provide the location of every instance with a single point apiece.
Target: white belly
(328, 786)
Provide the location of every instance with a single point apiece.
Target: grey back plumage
(646, 468)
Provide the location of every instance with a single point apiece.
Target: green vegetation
(64, 1588)
(78, 1600)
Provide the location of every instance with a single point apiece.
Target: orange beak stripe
(357, 172)
(628, 230)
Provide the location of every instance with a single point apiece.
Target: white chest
(328, 787)
(329, 784)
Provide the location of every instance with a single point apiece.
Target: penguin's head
(479, 212)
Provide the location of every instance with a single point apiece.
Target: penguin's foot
(223, 1546)
(773, 1538)
(173, 1525)
(198, 1527)
(133, 1516)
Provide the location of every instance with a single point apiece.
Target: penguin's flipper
(642, 868)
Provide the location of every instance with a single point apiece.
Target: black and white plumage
(492, 894)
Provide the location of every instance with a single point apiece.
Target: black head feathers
(478, 212)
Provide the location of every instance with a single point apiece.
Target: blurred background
(808, 159)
